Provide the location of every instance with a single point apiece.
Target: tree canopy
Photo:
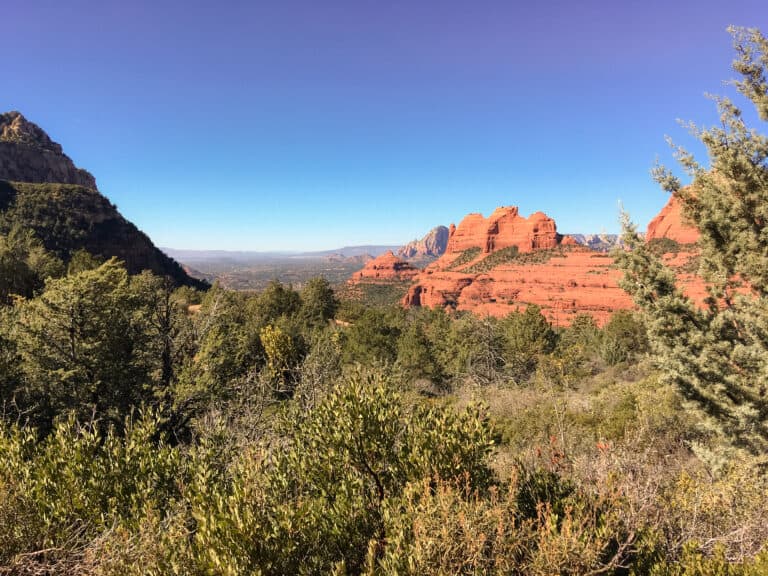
(718, 354)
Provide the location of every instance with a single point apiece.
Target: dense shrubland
(252, 433)
(148, 430)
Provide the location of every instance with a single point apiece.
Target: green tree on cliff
(718, 355)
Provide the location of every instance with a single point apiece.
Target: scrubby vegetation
(494, 259)
(284, 432)
(374, 294)
(512, 254)
(257, 436)
(66, 218)
(465, 257)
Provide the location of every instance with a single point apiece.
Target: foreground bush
(59, 496)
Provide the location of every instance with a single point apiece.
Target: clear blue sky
(288, 124)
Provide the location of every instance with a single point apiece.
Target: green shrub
(320, 500)
(527, 336)
(623, 338)
(61, 494)
(694, 563)
(661, 246)
(493, 259)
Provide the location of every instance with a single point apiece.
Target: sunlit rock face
(27, 154)
(430, 246)
(502, 229)
(552, 271)
(669, 223)
(386, 267)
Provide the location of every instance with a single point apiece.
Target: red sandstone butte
(571, 282)
(502, 229)
(386, 268)
(569, 279)
(669, 223)
(566, 279)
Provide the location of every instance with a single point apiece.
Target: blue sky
(300, 124)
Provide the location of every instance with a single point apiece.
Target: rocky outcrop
(670, 223)
(482, 273)
(478, 273)
(503, 229)
(561, 274)
(385, 268)
(430, 246)
(572, 281)
(42, 190)
(27, 154)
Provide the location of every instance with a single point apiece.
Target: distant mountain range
(192, 257)
(598, 242)
(431, 246)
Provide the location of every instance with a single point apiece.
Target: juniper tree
(718, 354)
(84, 345)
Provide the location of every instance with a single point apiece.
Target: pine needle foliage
(717, 355)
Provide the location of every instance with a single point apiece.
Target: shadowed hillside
(41, 189)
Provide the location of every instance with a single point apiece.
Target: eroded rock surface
(502, 229)
(430, 246)
(386, 267)
(27, 154)
(669, 223)
(482, 273)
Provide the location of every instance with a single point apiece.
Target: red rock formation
(669, 223)
(567, 280)
(386, 267)
(502, 229)
(574, 280)
(571, 282)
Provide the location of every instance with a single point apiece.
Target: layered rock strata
(385, 268)
(482, 273)
(570, 282)
(503, 229)
(27, 154)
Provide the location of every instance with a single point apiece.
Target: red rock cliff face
(669, 223)
(573, 281)
(502, 229)
(568, 281)
(551, 271)
(386, 267)
(565, 281)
